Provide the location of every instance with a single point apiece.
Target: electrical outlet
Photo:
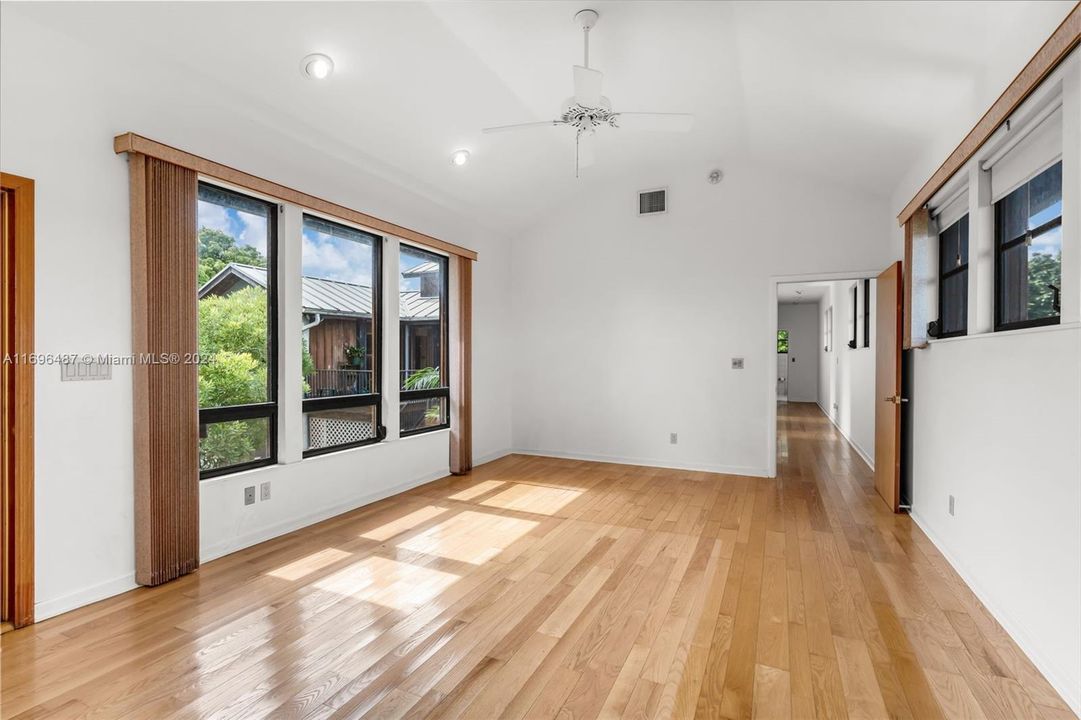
(264, 491)
(673, 438)
(951, 505)
(249, 495)
(737, 363)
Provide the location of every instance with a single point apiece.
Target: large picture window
(953, 279)
(422, 338)
(237, 240)
(1028, 253)
(341, 325)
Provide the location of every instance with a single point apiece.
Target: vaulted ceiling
(844, 91)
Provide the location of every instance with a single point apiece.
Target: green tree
(233, 341)
(217, 249)
(1044, 270)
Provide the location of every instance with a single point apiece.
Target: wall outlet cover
(673, 438)
(951, 504)
(264, 491)
(249, 495)
(737, 363)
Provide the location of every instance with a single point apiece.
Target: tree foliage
(1044, 270)
(217, 249)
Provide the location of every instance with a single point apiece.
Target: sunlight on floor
(309, 564)
(472, 537)
(388, 582)
(538, 499)
(406, 522)
(476, 490)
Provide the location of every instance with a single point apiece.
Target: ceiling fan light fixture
(459, 158)
(317, 66)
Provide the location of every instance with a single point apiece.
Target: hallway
(538, 587)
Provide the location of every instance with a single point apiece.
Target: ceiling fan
(588, 110)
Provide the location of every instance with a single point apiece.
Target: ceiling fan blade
(587, 86)
(522, 126)
(586, 150)
(659, 122)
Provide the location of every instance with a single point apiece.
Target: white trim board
(647, 462)
(87, 596)
(851, 443)
(1070, 692)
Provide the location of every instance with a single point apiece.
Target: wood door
(888, 387)
(17, 390)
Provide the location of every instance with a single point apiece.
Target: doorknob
(896, 399)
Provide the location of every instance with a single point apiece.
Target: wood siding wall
(163, 272)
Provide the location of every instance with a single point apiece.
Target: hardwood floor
(537, 588)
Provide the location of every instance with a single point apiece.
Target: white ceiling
(799, 293)
(843, 91)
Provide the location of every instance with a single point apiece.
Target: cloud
(335, 258)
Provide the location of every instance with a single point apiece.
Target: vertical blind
(163, 264)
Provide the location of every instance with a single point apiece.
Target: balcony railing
(332, 383)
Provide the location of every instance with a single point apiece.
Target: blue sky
(324, 256)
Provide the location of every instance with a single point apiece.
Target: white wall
(632, 321)
(846, 375)
(997, 424)
(63, 102)
(801, 322)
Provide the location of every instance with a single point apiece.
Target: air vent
(653, 202)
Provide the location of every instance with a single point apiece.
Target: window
(852, 314)
(340, 325)
(237, 239)
(953, 279)
(1028, 253)
(866, 312)
(828, 325)
(782, 341)
(422, 338)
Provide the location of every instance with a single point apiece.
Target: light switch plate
(264, 491)
(78, 370)
(249, 495)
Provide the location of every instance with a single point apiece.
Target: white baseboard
(493, 456)
(648, 462)
(232, 545)
(852, 443)
(51, 608)
(1069, 689)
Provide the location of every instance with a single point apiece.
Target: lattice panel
(326, 432)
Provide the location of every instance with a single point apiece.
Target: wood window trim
(1065, 38)
(133, 143)
(20, 586)
(461, 390)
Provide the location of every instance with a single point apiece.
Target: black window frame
(268, 409)
(855, 315)
(339, 402)
(867, 312)
(444, 349)
(1002, 245)
(943, 275)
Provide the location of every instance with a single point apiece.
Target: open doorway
(16, 388)
(829, 355)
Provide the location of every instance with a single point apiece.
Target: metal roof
(423, 269)
(333, 297)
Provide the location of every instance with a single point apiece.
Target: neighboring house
(338, 315)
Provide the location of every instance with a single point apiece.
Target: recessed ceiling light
(459, 158)
(317, 66)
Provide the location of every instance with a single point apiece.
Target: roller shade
(1040, 148)
(953, 210)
